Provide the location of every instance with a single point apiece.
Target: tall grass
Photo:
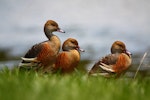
(16, 85)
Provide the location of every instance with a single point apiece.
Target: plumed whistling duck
(115, 63)
(44, 54)
(69, 58)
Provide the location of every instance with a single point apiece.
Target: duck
(43, 55)
(68, 59)
(114, 64)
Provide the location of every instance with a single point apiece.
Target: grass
(16, 85)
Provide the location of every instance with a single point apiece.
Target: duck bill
(129, 53)
(60, 30)
(80, 50)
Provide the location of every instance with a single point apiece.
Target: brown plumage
(69, 58)
(44, 54)
(115, 63)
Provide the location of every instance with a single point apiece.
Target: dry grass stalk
(140, 64)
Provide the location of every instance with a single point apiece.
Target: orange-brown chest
(67, 61)
(47, 54)
(122, 63)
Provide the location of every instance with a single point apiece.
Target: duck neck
(75, 54)
(55, 42)
(53, 39)
(48, 33)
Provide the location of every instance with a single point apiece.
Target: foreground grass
(15, 85)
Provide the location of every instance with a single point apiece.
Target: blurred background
(96, 24)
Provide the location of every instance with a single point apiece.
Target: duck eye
(73, 42)
(53, 24)
(120, 45)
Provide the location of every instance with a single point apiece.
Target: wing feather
(34, 51)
